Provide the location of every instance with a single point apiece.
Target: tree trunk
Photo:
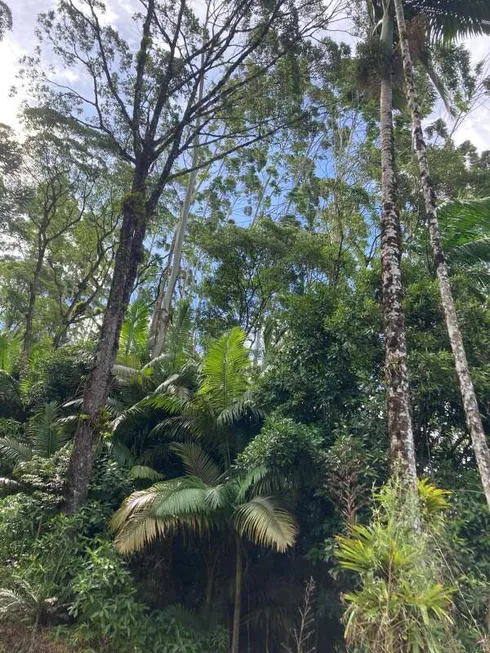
(91, 421)
(33, 292)
(235, 638)
(157, 309)
(470, 403)
(396, 371)
(176, 260)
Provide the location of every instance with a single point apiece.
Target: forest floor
(16, 638)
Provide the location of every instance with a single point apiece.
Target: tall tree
(396, 370)
(145, 108)
(454, 19)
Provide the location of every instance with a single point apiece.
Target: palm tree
(396, 371)
(206, 499)
(454, 19)
(45, 436)
(208, 496)
(209, 411)
(465, 232)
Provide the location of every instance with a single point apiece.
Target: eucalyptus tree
(454, 19)
(141, 102)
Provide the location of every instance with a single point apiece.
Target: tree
(145, 109)
(209, 496)
(204, 500)
(453, 20)
(58, 204)
(396, 371)
(5, 18)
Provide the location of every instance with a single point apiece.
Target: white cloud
(476, 126)
(10, 53)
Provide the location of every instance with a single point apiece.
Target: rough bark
(396, 371)
(237, 608)
(91, 420)
(470, 403)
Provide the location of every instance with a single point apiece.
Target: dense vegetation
(245, 332)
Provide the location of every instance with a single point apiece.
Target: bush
(402, 604)
(282, 443)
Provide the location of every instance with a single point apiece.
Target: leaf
(197, 462)
(224, 371)
(145, 473)
(265, 524)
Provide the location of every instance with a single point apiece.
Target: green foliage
(401, 604)
(133, 341)
(44, 437)
(282, 445)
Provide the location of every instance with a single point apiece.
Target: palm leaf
(242, 406)
(9, 351)
(144, 472)
(465, 227)
(15, 451)
(133, 341)
(185, 502)
(451, 19)
(197, 462)
(46, 432)
(253, 477)
(224, 371)
(265, 524)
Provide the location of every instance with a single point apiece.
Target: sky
(21, 41)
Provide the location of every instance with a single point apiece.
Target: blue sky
(21, 41)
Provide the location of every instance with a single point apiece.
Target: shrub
(402, 604)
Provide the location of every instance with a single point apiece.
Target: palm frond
(224, 371)
(133, 341)
(143, 472)
(451, 19)
(251, 479)
(465, 227)
(15, 451)
(151, 513)
(9, 351)
(45, 431)
(120, 452)
(197, 462)
(176, 428)
(266, 524)
(242, 406)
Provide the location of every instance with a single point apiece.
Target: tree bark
(237, 608)
(91, 421)
(470, 403)
(396, 370)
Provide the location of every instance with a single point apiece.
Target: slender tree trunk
(33, 293)
(470, 403)
(166, 304)
(91, 420)
(157, 310)
(237, 608)
(396, 372)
